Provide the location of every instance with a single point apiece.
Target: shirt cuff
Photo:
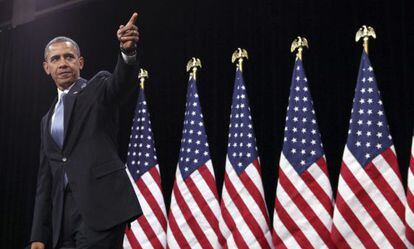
(129, 59)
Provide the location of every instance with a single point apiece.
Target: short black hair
(61, 39)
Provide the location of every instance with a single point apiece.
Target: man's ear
(81, 62)
(46, 68)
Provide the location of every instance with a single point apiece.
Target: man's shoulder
(101, 75)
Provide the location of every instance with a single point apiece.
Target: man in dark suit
(84, 195)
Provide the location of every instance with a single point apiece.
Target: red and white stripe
(409, 211)
(369, 209)
(149, 230)
(194, 211)
(303, 207)
(245, 221)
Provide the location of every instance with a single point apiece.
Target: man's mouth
(65, 74)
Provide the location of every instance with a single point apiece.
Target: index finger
(133, 18)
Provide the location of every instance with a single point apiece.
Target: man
(84, 195)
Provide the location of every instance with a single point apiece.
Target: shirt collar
(60, 92)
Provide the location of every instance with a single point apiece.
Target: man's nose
(62, 64)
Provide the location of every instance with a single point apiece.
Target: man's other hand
(128, 35)
(37, 245)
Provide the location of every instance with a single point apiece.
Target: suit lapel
(70, 101)
(46, 126)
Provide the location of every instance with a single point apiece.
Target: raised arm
(121, 81)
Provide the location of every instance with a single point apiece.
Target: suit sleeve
(121, 81)
(42, 225)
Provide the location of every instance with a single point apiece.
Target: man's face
(63, 64)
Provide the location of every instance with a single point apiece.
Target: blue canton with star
(194, 151)
(368, 134)
(141, 152)
(302, 145)
(242, 150)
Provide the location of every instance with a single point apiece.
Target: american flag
(194, 211)
(245, 221)
(303, 205)
(409, 211)
(369, 209)
(149, 230)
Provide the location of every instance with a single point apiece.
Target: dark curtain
(174, 31)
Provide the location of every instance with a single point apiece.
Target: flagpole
(298, 44)
(238, 56)
(143, 74)
(365, 32)
(192, 65)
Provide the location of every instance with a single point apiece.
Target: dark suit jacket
(97, 177)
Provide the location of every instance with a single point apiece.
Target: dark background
(174, 31)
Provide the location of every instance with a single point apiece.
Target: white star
(293, 151)
(379, 146)
(358, 144)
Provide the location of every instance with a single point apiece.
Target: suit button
(64, 159)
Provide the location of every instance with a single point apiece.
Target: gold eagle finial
(192, 66)
(299, 43)
(365, 32)
(239, 55)
(142, 75)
